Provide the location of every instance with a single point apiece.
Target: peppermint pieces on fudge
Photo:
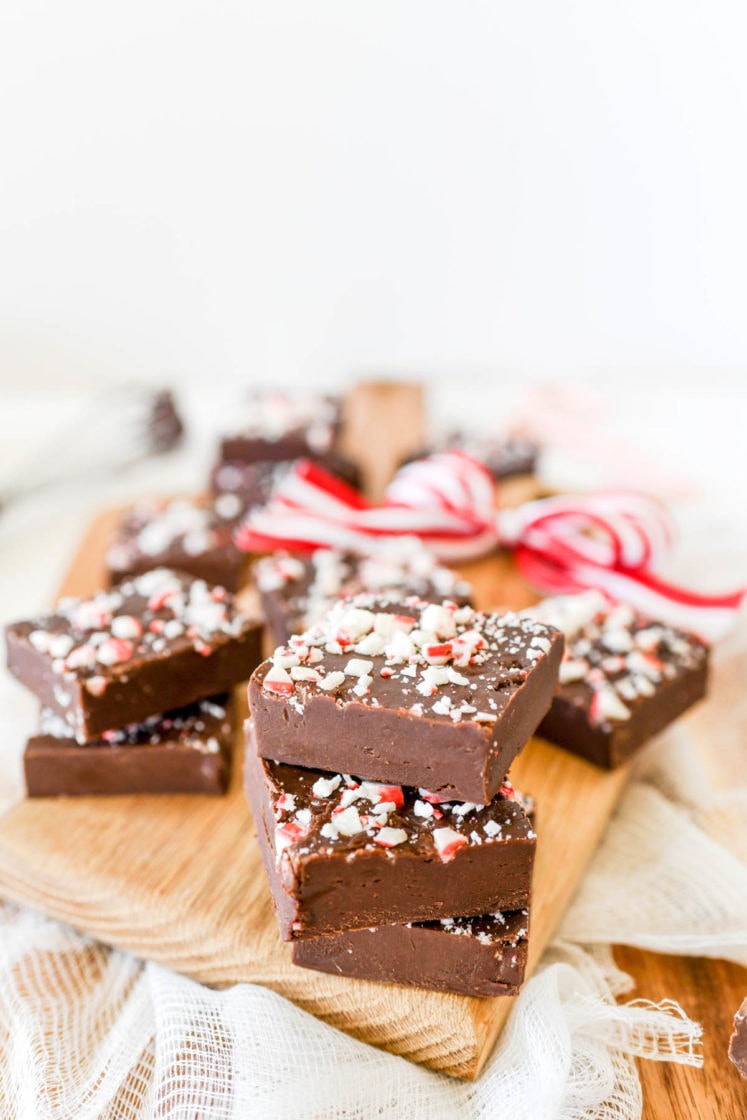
(157, 642)
(343, 854)
(624, 677)
(282, 426)
(410, 692)
(296, 591)
(184, 534)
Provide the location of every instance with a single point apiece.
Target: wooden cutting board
(178, 879)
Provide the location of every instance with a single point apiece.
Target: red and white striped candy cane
(611, 540)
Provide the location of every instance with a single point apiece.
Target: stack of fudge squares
(133, 684)
(196, 534)
(378, 745)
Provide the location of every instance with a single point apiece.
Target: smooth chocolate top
(157, 530)
(111, 633)
(440, 661)
(615, 658)
(307, 586)
(318, 813)
(202, 726)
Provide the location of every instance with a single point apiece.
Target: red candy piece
(282, 688)
(392, 793)
(288, 833)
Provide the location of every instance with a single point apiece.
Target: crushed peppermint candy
(172, 531)
(614, 656)
(306, 588)
(317, 811)
(437, 660)
(203, 726)
(96, 640)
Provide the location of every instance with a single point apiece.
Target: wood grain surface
(179, 880)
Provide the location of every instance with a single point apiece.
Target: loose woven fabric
(89, 1033)
(86, 1032)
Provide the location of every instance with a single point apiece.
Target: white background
(305, 191)
(485, 195)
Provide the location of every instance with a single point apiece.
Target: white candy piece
(331, 681)
(40, 640)
(125, 626)
(277, 675)
(438, 620)
(390, 837)
(323, 787)
(303, 673)
(606, 705)
(572, 670)
(61, 645)
(357, 622)
(372, 645)
(447, 840)
(400, 647)
(357, 667)
(348, 822)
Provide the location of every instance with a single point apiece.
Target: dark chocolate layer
(482, 956)
(409, 692)
(185, 751)
(343, 854)
(154, 643)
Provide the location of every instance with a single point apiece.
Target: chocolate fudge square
(157, 642)
(297, 590)
(624, 677)
(185, 751)
(183, 534)
(405, 691)
(478, 956)
(346, 854)
(251, 484)
(504, 456)
(281, 426)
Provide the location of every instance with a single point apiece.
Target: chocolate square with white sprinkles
(191, 536)
(347, 854)
(297, 590)
(624, 677)
(153, 643)
(406, 691)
